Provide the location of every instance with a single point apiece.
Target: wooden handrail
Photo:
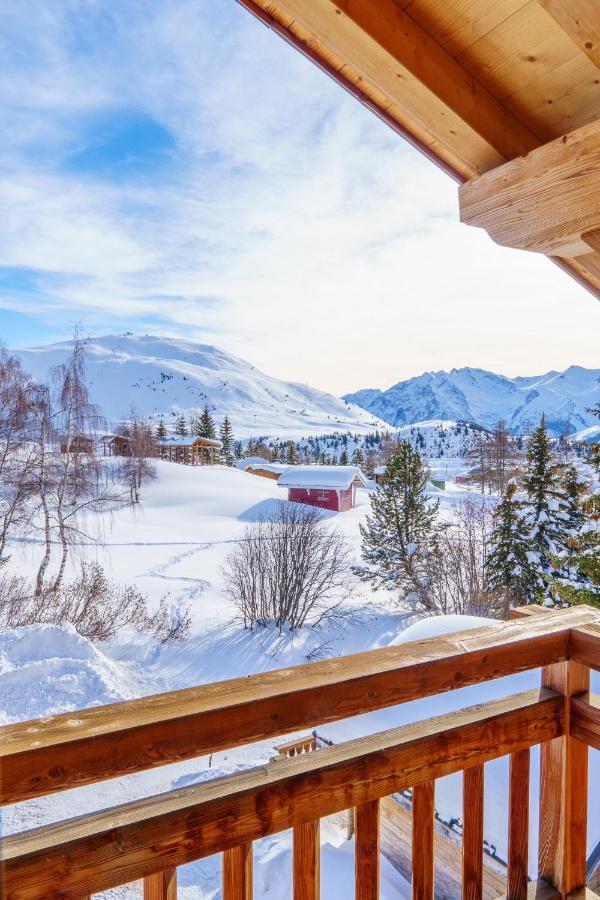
(102, 850)
(73, 749)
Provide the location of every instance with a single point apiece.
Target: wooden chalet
(504, 95)
(193, 451)
(80, 443)
(266, 470)
(115, 445)
(328, 487)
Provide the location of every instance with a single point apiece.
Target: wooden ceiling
(474, 84)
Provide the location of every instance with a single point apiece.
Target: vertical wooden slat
(366, 830)
(423, 809)
(307, 861)
(518, 825)
(237, 873)
(563, 790)
(161, 885)
(472, 838)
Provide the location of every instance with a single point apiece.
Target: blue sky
(174, 167)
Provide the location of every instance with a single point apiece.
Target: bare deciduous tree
(93, 604)
(137, 465)
(290, 569)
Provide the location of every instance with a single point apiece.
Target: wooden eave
(473, 84)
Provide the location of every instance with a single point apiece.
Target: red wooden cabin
(328, 487)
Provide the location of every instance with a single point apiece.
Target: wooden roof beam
(547, 201)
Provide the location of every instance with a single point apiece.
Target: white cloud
(292, 226)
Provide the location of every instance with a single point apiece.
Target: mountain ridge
(162, 377)
(478, 395)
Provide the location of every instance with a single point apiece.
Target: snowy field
(175, 544)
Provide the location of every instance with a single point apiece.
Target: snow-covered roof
(324, 477)
(251, 461)
(189, 440)
(276, 468)
(379, 470)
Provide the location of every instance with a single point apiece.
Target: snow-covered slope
(475, 395)
(162, 376)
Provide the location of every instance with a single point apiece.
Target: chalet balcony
(150, 838)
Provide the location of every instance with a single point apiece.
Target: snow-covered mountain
(474, 395)
(164, 376)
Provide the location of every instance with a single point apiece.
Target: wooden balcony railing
(150, 838)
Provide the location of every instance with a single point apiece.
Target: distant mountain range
(158, 376)
(475, 395)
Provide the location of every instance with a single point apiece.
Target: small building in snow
(79, 443)
(378, 473)
(115, 445)
(328, 487)
(266, 470)
(195, 451)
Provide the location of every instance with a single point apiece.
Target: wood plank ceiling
(472, 83)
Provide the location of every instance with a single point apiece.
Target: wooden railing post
(161, 885)
(307, 861)
(563, 790)
(366, 830)
(237, 873)
(472, 837)
(518, 825)
(423, 810)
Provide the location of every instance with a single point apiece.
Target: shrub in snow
(290, 569)
(95, 606)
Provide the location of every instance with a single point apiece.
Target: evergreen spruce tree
(579, 578)
(344, 458)
(358, 457)
(238, 450)
(508, 568)
(292, 454)
(161, 430)
(397, 534)
(181, 426)
(206, 427)
(276, 452)
(227, 442)
(546, 517)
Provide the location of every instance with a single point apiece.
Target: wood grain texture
(161, 885)
(237, 873)
(563, 790)
(544, 201)
(423, 809)
(581, 21)
(518, 825)
(307, 853)
(60, 752)
(585, 719)
(366, 837)
(472, 836)
(584, 644)
(102, 850)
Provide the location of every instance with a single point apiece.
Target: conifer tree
(292, 454)
(344, 458)
(227, 443)
(508, 568)
(239, 450)
(276, 452)
(206, 427)
(358, 457)
(181, 429)
(546, 517)
(161, 430)
(397, 534)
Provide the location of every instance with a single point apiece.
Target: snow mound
(49, 669)
(437, 626)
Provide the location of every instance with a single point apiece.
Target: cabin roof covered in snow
(324, 477)
(276, 468)
(247, 461)
(379, 470)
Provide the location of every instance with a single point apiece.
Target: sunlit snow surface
(175, 543)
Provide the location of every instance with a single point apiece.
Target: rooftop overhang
(504, 95)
